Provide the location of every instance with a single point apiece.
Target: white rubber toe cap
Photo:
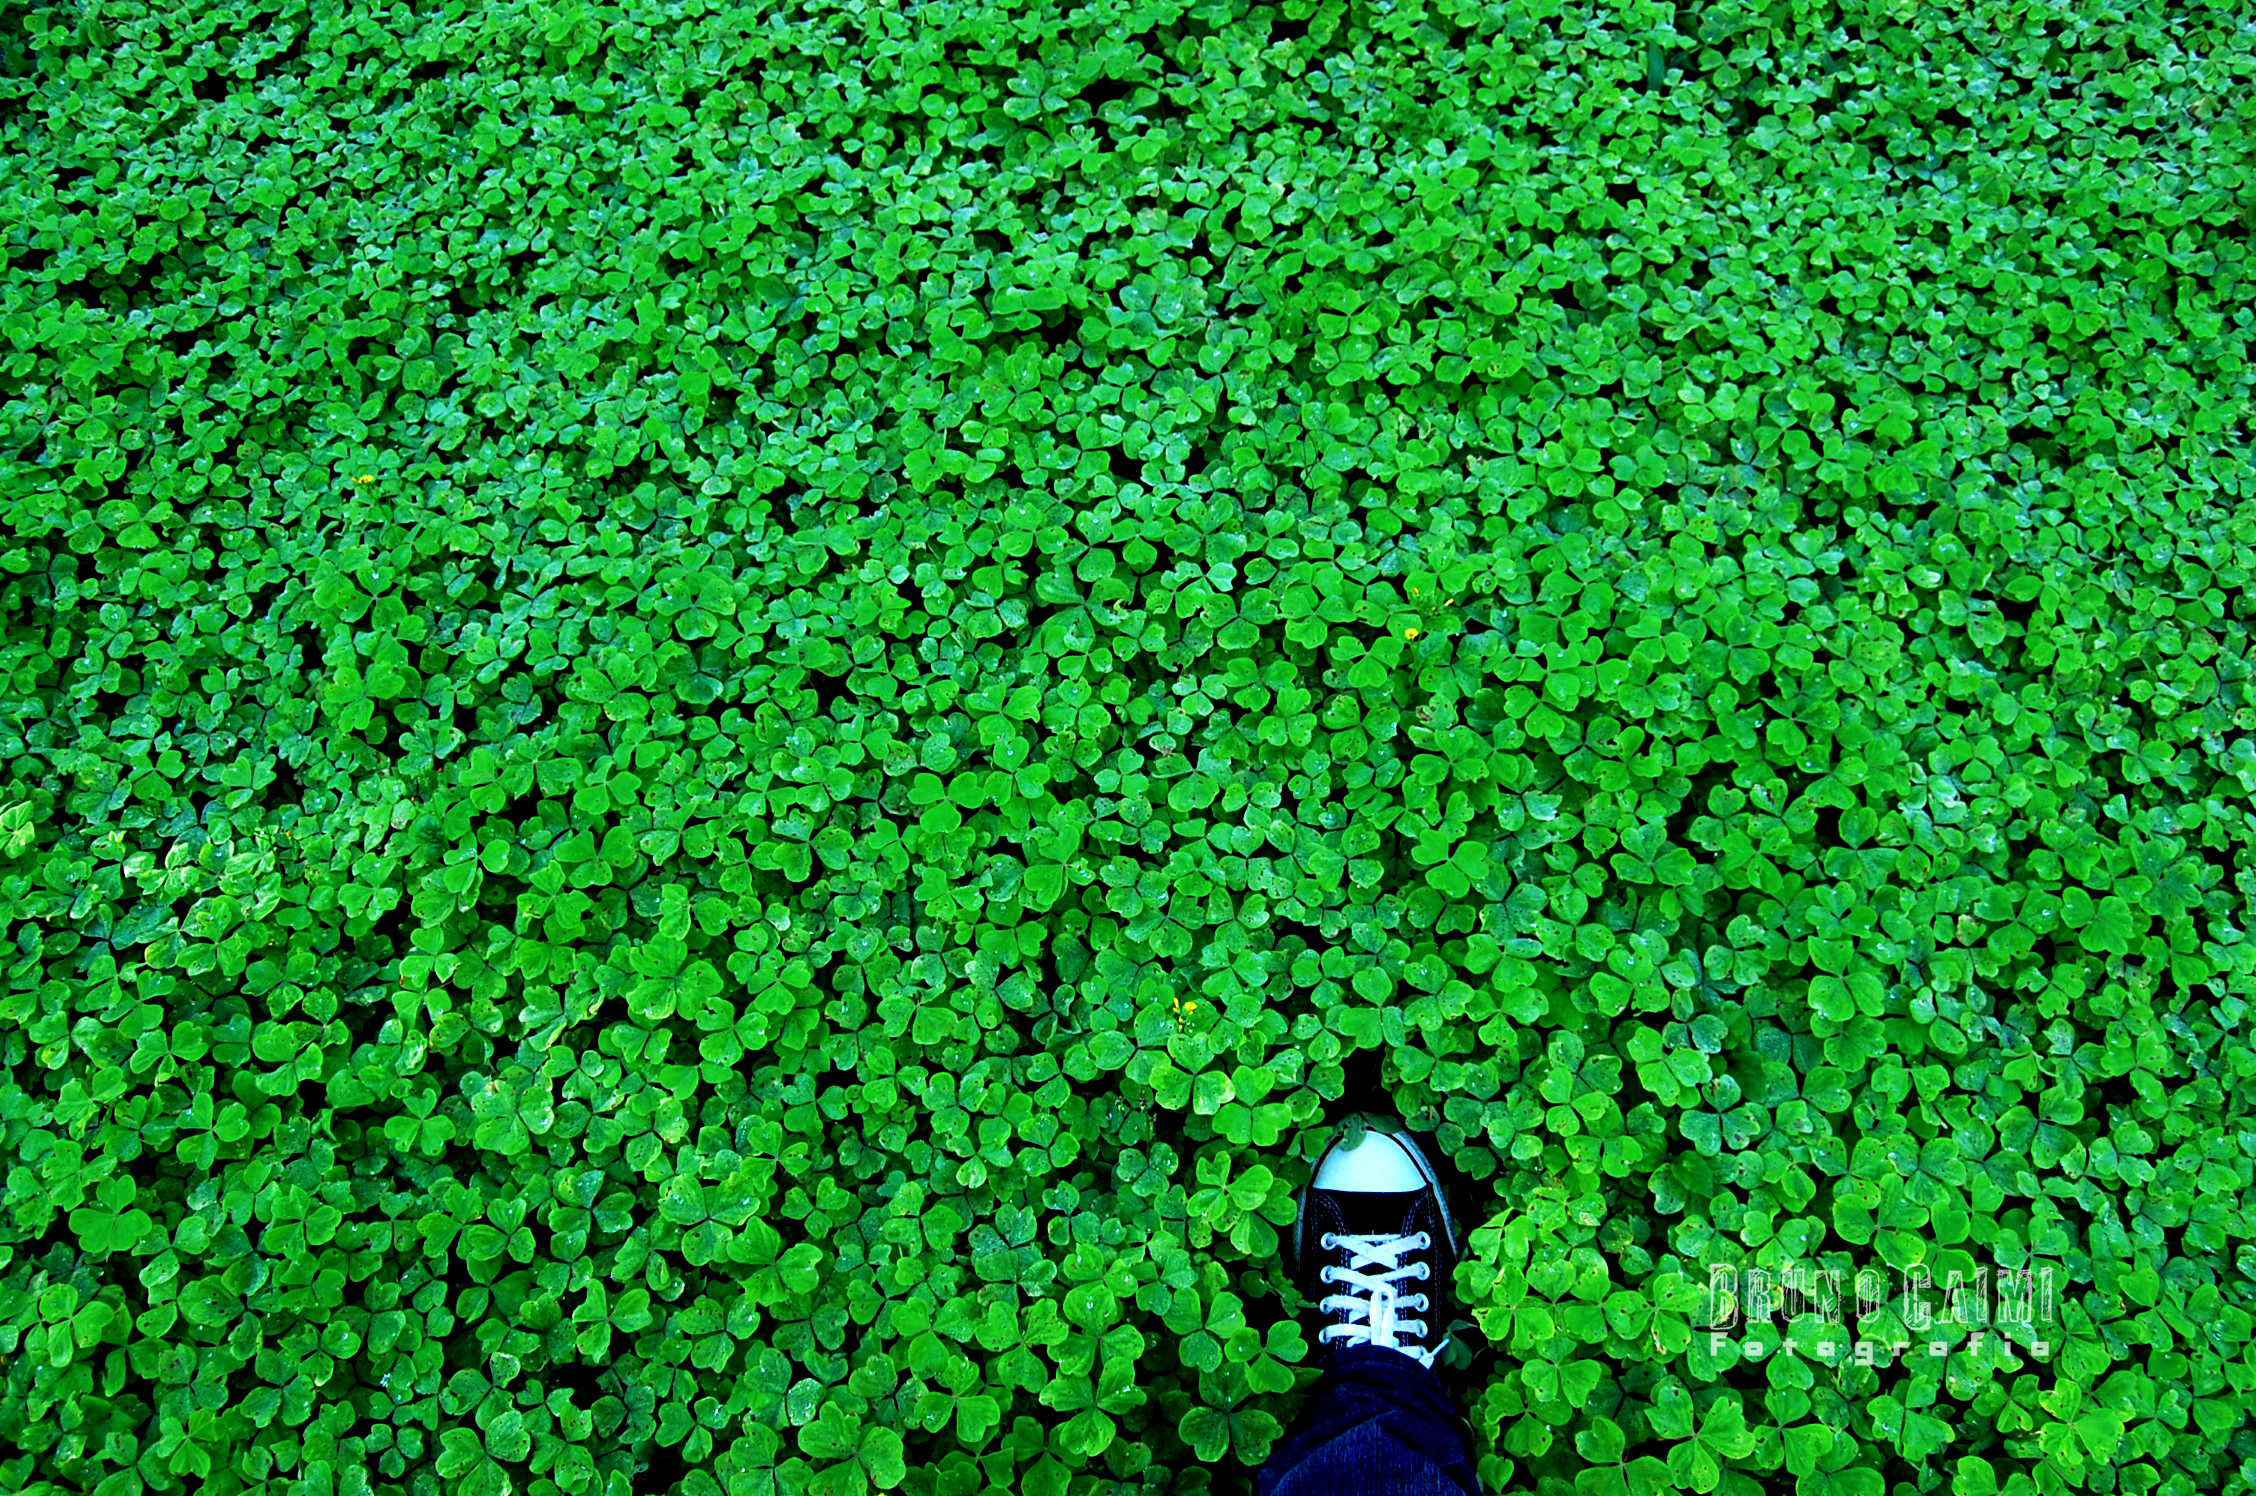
(1381, 1166)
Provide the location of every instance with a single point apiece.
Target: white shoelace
(1373, 1302)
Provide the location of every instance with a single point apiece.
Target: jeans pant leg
(1378, 1424)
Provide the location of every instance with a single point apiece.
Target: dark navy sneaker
(1375, 1248)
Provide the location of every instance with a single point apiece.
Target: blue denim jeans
(1378, 1424)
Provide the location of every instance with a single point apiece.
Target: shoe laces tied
(1373, 1302)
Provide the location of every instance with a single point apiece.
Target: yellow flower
(1409, 633)
(367, 478)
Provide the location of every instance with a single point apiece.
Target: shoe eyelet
(1424, 1240)
(1327, 1241)
(1425, 1271)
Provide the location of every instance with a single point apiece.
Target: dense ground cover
(723, 725)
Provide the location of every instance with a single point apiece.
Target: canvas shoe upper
(1375, 1248)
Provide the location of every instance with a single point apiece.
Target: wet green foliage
(721, 724)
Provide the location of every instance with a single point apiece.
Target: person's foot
(1375, 1248)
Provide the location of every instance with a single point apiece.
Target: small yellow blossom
(1409, 633)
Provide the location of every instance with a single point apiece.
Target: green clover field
(726, 729)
